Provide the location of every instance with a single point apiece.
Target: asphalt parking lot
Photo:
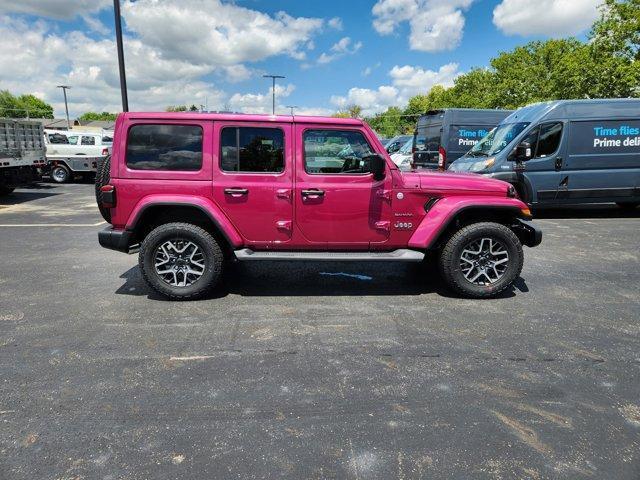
(323, 370)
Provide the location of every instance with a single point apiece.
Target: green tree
(24, 106)
(388, 123)
(351, 111)
(95, 116)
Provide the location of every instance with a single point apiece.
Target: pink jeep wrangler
(190, 191)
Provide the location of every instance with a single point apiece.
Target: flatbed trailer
(22, 153)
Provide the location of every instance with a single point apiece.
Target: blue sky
(333, 53)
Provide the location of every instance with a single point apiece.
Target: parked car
(396, 143)
(402, 158)
(71, 153)
(190, 191)
(566, 151)
(21, 154)
(442, 136)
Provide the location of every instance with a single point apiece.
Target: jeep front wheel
(481, 260)
(180, 261)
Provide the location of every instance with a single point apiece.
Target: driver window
(336, 152)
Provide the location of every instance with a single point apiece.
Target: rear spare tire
(103, 177)
(481, 260)
(181, 261)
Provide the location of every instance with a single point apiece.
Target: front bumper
(528, 233)
(112, 239)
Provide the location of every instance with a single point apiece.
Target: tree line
(607, 65)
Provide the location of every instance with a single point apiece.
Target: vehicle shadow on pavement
(585, 211)
(17, 198)
(292, 279)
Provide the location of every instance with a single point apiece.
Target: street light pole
(123, 78)
(292, 107)
(273, 91)
(66, 106)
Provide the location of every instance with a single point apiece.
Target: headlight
(478, 166)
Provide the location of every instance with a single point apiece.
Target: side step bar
(400, 255)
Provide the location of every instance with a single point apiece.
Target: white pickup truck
(72, 153)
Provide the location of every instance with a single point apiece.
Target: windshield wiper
(478, 154)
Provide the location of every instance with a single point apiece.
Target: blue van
(565, 151)
(442, 136)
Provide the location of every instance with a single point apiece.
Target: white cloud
(407, 81)
(435, 25)
(553, 18)
(260, 102)
(212, 32)
(335, 23)
(340, 49)
(66, 9)
(95, 25)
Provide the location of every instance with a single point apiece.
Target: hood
(471, 164)
(461, 183)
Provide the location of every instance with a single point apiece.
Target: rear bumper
(529, 234)
(119, 240)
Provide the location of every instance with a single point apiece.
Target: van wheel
(60, 174)
(481, 260)
(628, 205)
(181, 261)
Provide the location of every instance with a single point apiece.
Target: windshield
(406, 148)
(497, 139)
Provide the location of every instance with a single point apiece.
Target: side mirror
(524, 152)
(377, 165)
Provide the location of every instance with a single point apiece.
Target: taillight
(105, 152)
(108, 196)
(442, 159)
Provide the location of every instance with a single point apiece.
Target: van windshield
(497, 139)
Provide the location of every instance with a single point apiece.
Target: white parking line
(52, 224)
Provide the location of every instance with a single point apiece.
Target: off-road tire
(103, 177)
(449, 261)
(213, 259)
(6, 190)
(62, 179)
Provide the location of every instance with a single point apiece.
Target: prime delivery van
(565, 151)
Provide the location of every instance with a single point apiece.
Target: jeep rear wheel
(481, 260)
(181, 261)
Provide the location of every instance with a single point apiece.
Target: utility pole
(123, 78)
(292, 107)
(66, 106)
(273, 91)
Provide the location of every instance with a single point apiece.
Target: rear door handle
(236, 191)
(312, 193)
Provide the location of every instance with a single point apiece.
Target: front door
(253, 179)
(543, 170)
(338, 203)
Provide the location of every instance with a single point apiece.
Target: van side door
(543, 170)
(603, 161)
(253, 179)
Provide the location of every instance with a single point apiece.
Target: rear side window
(252, 150)
(73, 140)
(88, 141)
(164, 147)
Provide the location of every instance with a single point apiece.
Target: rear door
(253, 179)
(338, 203)
(427, 145)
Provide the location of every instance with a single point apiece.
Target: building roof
(103, 124)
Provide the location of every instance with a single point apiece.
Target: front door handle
(236, 191)
(558, 163)
(314, 192)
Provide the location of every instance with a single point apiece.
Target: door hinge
(284, 193)
(284, 225)
(385, 194)
(384, 225)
